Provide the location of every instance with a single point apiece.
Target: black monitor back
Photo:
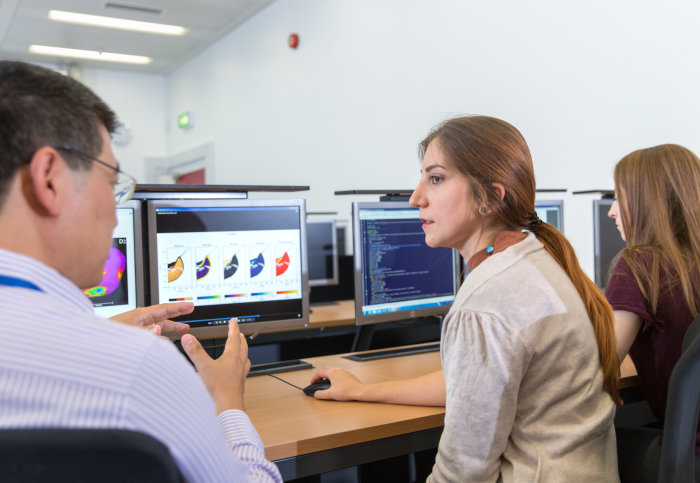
(607, 242)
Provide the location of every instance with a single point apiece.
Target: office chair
(681, 420)
(84, 455)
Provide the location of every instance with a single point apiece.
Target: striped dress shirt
(62, 366)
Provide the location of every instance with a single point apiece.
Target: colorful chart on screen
(208, 266)
(179, 264)
(231, 266)
(116, 292)
(257, 265)
(112, 275)
(282, 263)
(221, 267)
(203, 268)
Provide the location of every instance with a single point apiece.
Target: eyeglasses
(125, 184)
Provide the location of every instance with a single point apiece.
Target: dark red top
(657, 347)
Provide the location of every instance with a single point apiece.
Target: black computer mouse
(317, 386)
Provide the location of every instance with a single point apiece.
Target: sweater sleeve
(484, 361)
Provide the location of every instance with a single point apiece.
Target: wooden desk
(332, 315)
(305, 436)
(628, 374)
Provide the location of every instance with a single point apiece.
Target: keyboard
(394, 352)
(277, 367)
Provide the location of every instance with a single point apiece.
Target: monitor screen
(322, 250)
(121, 288)
(607, 241)
(231, 258)
(552, 212)
(398, 276)
(340, 234)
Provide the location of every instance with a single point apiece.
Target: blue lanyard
(17, 282)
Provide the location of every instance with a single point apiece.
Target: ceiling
(25, 22)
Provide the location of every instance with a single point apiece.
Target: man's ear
(48, 178)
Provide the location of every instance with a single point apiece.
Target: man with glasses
(62, 366)
(123, 185)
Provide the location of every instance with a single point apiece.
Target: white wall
(139, 101)
(585, 83)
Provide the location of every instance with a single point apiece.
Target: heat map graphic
(112, 275)
(282, 263)
(231, 267)
(221, 268)
(203, 268)
(175, 268)
(256, 265)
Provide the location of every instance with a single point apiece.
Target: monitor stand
(363, 339)
(394, 352)
(278, 367)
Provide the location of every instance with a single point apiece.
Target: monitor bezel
(324, 282)
(138, 255)
(360, 318)
(220, 331)
(539, 202)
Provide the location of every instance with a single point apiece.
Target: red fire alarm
(293, 41)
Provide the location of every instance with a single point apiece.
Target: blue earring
(489, 249)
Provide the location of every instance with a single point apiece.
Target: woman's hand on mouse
(224, 377)
(344, 386)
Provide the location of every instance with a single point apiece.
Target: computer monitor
(398, 276)
(231, 258)
(340, 234)
(607, 242)
(122, 285)
(552, 212)
(322, 250)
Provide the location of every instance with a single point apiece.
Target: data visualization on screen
(231, 258)
(118, 290)
(207, 269)
(397, 276)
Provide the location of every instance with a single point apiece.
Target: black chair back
(84, 455)
(681, 419)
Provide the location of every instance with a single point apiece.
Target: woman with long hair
(654, 287)
(529, 370)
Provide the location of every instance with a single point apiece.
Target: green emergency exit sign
(184, 120)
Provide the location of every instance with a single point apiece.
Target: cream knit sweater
(525, 398)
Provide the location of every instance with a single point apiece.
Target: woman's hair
(658, 190)
(487, 150)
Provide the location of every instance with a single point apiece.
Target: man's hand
(224, 377)
(156, 317)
